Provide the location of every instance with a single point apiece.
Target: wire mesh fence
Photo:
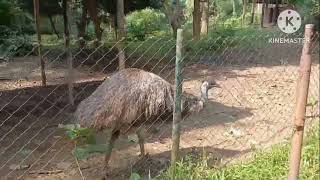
(250, 104)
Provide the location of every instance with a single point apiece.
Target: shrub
(13, 43)
(146, 22)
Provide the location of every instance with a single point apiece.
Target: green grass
(271, 164)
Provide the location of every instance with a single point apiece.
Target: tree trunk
(204, 17)
(83, 24)
(234, 9)
(36, 6)
(113, 24)
(53, 26)
(196, 20)
(121, 33)
(271, 15)
(276, 13)
(253, 9)
(262, 13)
(92, 6)
(244, 11)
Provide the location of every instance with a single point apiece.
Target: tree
(276, 12)
(234, 8)
(93, 11)
(47, 8)
(120, 32)
(253, 9)
(196, 20)
(204, 16)
(174, 12)
(244, 11)
(262, 13)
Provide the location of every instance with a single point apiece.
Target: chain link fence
(250, 103)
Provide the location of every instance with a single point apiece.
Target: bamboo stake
(301, 102)
(177, 107)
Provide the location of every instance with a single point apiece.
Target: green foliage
(309, 9)
(12, 16)
(146, 22)
(272, 164)
(5, 12)
(135, 176)
(13, 43)
(84, 139)
(224, 8)
(79, 135)
(216, 40)
(313, 102)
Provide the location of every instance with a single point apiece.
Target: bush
(12, 42)
(146, 22)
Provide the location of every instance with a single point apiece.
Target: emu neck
(204, 95)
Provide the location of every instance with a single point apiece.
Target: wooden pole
(68, 52)
(177, 106)
(120, 34)
(301, 102)
(41, 60)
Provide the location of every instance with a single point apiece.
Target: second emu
(131, 97)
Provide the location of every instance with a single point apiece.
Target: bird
(130, 97)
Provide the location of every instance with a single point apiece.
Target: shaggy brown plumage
(132, 96)
(129, 96)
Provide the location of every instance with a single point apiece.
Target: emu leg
(114, 137)
(141, 142)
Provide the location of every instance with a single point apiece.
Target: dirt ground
(250, 109)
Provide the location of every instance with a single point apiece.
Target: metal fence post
(37, 20)
(177, 106)
(301, 102)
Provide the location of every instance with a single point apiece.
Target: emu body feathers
(128, 97)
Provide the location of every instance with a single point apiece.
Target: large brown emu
(130, 97)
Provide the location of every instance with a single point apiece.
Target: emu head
(196, 104)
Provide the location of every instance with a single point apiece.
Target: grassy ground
(271, 164)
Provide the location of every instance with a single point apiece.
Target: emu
(131, 97)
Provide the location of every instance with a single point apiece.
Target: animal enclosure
(250, 103)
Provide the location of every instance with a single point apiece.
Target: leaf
(85, 132)
(135, 176)
(72, 135)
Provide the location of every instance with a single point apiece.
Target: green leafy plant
(135, 176)
(84, 141)
(146, 22)
(12, 42)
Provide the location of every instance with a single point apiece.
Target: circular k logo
(289, 21)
